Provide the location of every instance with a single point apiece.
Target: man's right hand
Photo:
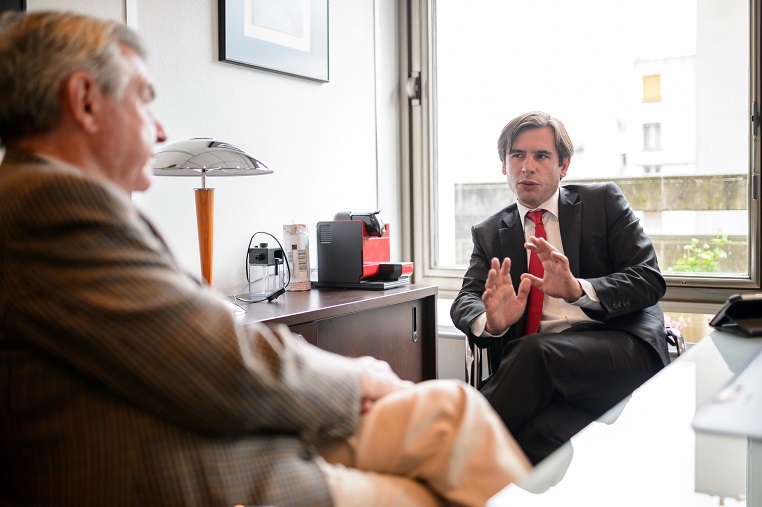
(376, 380)
(503, 305)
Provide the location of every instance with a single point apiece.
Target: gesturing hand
(504, 306)
(558, 280)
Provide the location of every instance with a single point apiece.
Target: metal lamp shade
(206, 157)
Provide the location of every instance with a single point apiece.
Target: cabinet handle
(415, 325)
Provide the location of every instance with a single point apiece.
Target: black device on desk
(354, 252)
(741, 314)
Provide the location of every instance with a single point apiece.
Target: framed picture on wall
(12, 5)
(285, 36)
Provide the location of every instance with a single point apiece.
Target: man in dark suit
(125, 382)
(601, 328)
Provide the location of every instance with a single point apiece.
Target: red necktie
(534, 306)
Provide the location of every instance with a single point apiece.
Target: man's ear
(565, 167)
(82, 98)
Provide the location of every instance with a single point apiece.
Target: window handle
(413, 88)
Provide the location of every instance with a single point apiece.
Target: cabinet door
(395, 334)
(309, 331)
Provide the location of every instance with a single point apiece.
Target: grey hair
(533, 120)
(39, 51)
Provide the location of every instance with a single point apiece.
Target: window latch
(413, 88)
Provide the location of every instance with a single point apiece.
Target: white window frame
(685, 291)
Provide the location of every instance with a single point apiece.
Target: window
(652, 169)
(691, 85)
(652, 88)
(651, 137)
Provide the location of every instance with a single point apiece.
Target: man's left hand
(558, 280)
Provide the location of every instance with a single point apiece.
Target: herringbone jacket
(123, 382)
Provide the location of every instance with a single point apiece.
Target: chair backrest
(675, 339)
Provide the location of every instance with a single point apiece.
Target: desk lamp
(201, 156)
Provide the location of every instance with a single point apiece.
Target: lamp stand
(205, 222)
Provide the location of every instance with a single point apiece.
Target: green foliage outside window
(702, 258)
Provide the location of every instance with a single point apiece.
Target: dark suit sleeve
(619, 260)
(468, 303)
(487, 244)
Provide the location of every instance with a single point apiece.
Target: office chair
(477, 356)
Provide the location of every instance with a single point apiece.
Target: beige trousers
(437, 443)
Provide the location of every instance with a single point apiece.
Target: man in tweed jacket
(125, 382)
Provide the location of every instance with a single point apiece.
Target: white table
(644, 451)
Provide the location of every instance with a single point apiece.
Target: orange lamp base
(205, 222)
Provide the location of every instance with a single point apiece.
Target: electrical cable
(275, 294)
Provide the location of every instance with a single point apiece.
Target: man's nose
(529, 165)
(161, 136)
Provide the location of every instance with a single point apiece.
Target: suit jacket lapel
(512, 244)
(570, 223)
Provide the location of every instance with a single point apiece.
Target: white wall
(112, 9)
(333, 146)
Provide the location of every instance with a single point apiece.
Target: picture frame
(284, 36)
(12, 5)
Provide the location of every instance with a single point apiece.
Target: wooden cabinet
(397, 325)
